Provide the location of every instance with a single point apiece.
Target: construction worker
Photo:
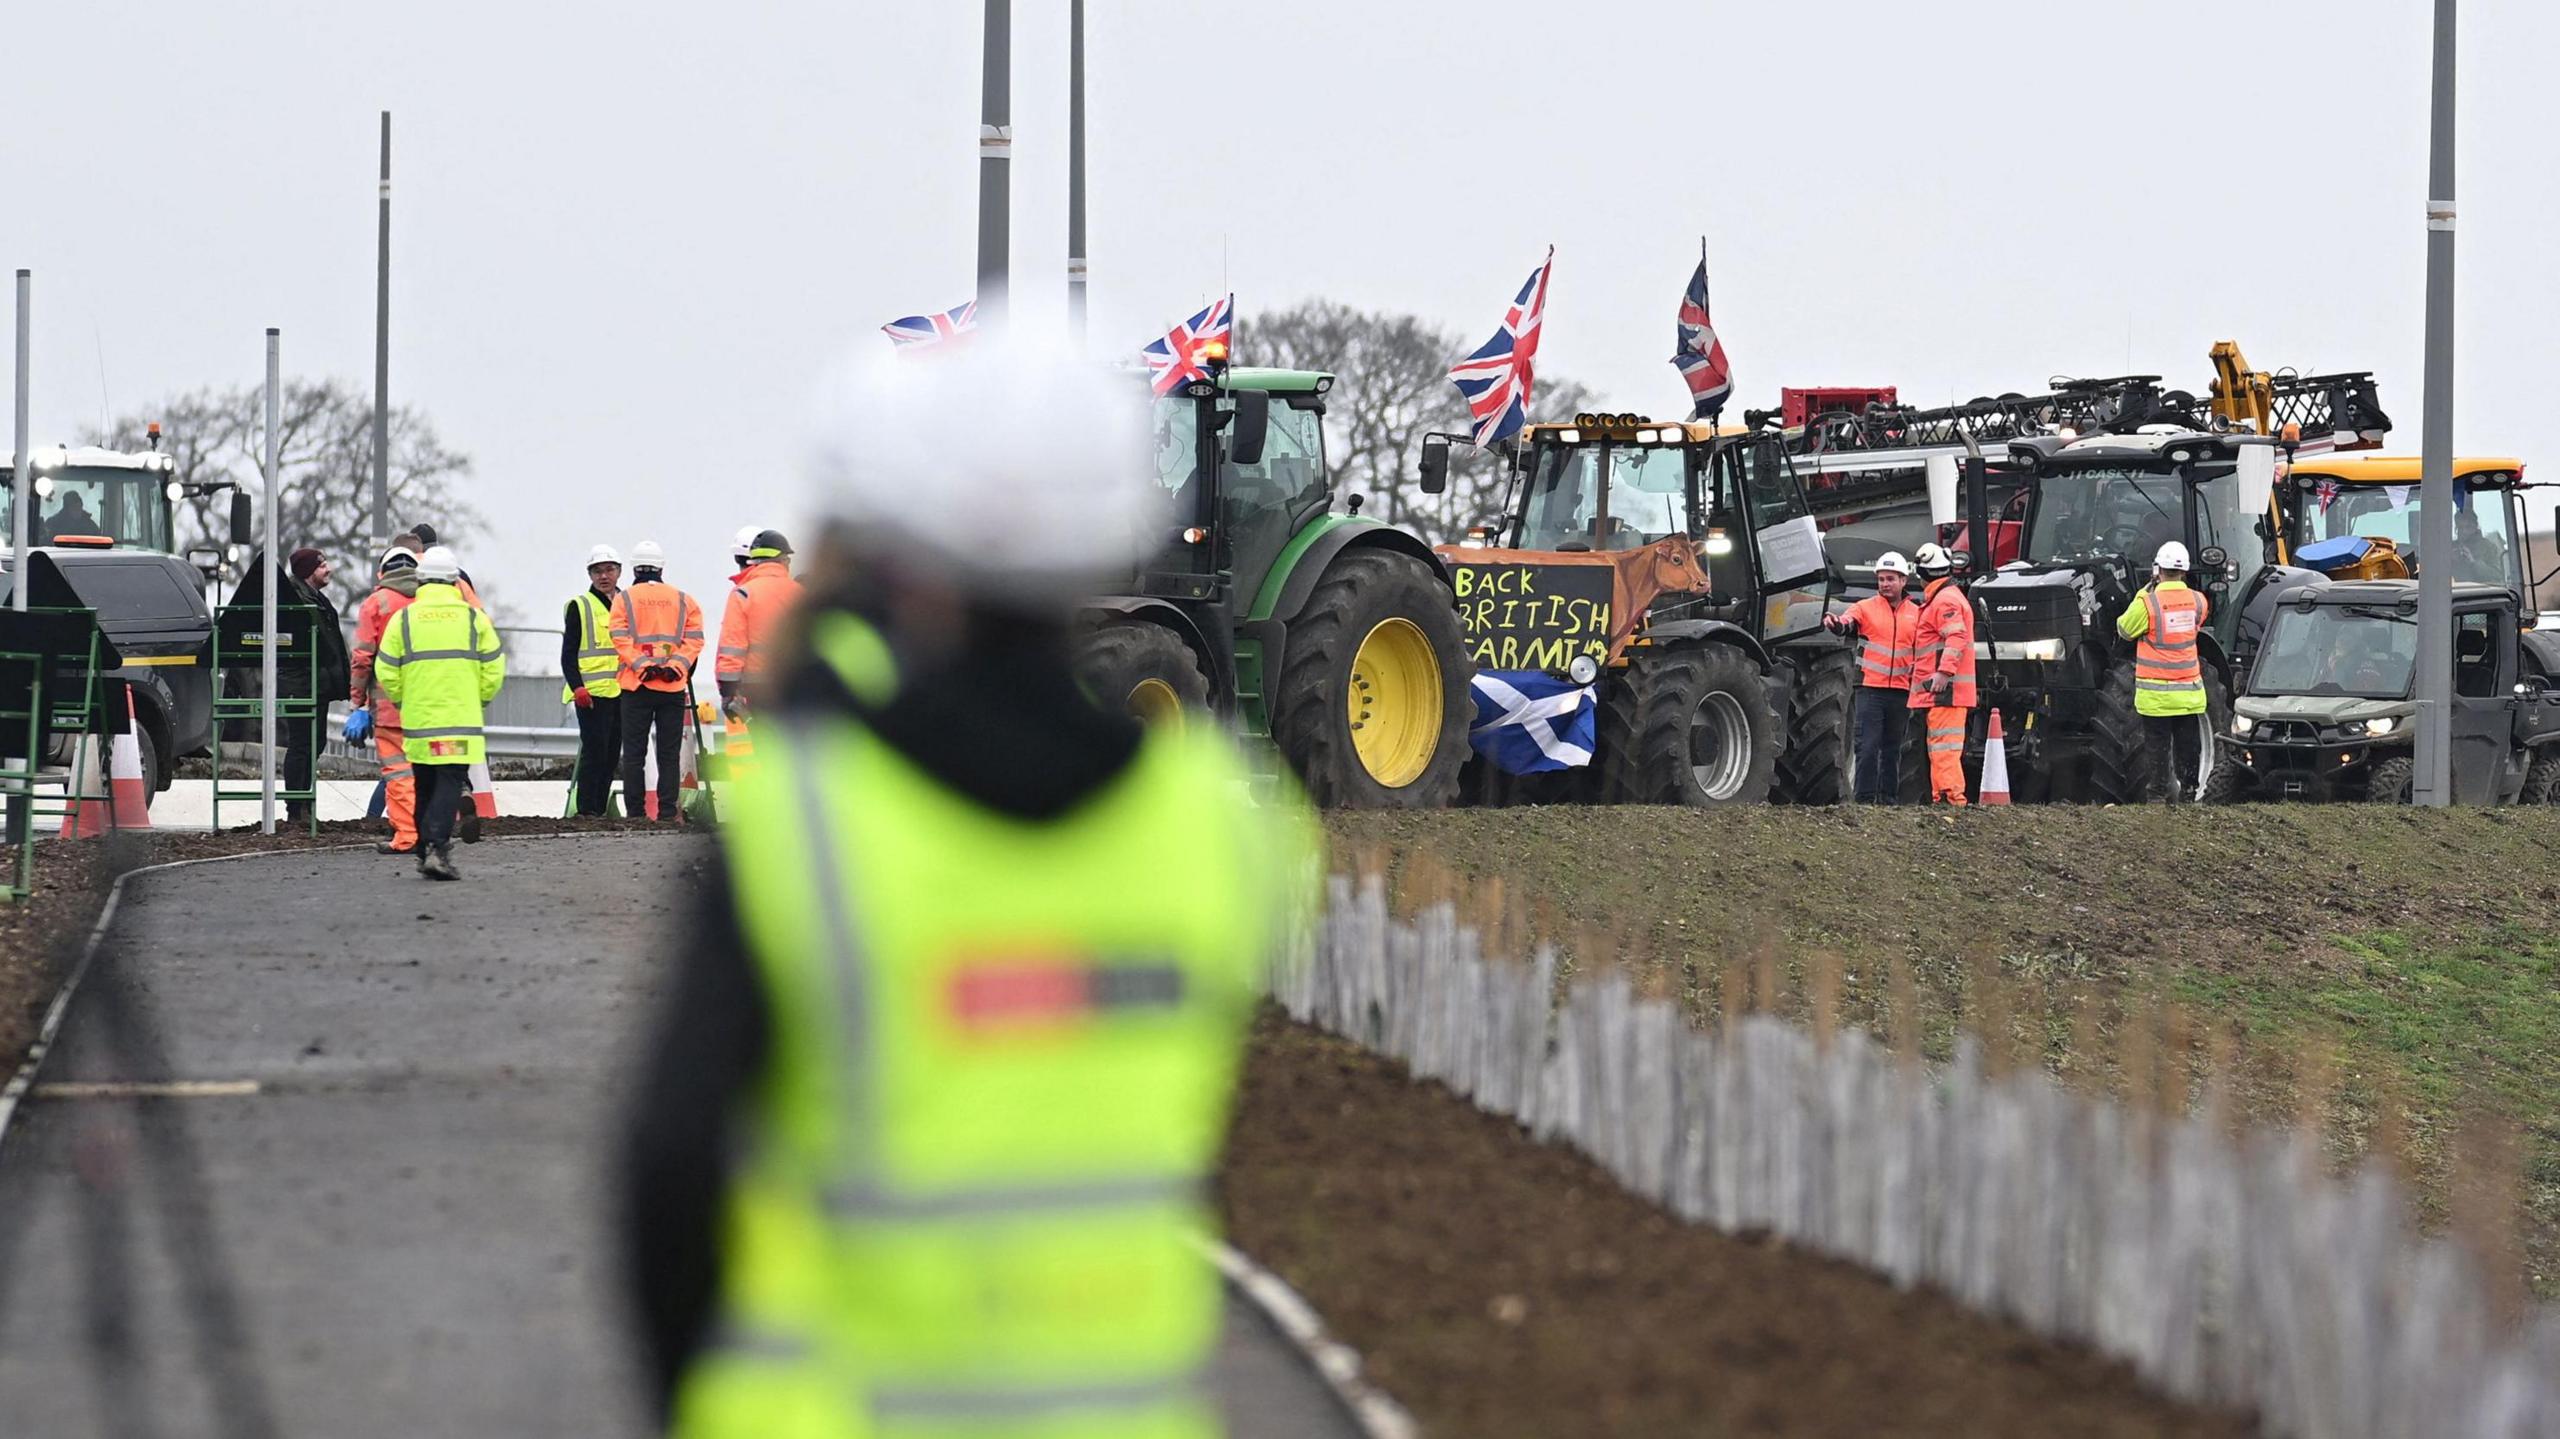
(657, 636)
(760, 598)
(1942, 670)
(1888, 625)
(594, 679)
(395, 583)
(2163, 622)
(921, 1148)
(441, 661)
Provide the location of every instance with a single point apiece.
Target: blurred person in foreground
(950, 1048)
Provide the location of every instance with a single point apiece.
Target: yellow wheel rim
(1154, 702)
(1395, 703)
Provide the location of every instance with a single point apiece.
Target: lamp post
(2433, 782)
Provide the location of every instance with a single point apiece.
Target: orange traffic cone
(1995, 766)
(124, 767)
(484, 792)
(688, 779)
(91, 812)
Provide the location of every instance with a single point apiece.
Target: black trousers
(599, 752)
(1882, 716)
(301, 738)
(642, 711)
(441, 788)
(2174, 745)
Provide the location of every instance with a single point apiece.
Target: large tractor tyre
(1689, 726)
(2542, 778)
(1372, 708)
(1143, 670)
(2390, 780)
(1814, 764)
(2119, 758)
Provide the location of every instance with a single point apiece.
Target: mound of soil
(1497, 1286)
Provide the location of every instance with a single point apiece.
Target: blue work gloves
(359, 725)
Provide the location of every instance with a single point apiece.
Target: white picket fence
(2227, 1270)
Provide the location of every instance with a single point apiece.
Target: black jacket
(328, 631)
(1005, 725)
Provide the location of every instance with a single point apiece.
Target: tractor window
(2484, 549)
(2360, 650)
(1648, 488)
(1265, 503)
(2109, 513)
(2220, 520)
(1175, 425)
(1564, 498)
(126, 506)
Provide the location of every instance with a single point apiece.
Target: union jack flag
(1701, 355)
(917, 332)
(1175, 360)
(1495, 379)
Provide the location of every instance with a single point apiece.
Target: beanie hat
(304, 561)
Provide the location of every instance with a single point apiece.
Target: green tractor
(1333, 635)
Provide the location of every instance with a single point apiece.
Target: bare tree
(1392, 388)
(325, 454)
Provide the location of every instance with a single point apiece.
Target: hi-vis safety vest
(656, 625)
(1890, 631)
(599, 668)
(999, 1073)
(2168, 669)
(441, 662)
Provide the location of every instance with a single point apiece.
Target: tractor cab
(2360, 517)
(91, 498)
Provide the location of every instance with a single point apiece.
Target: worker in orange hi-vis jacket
(395, 584)
(761, 597)
(1942, 671)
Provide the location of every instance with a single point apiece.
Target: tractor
(106, 520)
(1331, 634)
(1677, 570)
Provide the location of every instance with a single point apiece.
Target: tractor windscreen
(2484, 543)
(1645, 498)
(2359, 651)
(2124, 514)
(94, 501)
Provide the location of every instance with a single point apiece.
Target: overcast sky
(627, 237)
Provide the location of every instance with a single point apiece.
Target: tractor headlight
(1583, 670)
(2048, 649)
(1719, 544)
(2242, 724)
(2384, 725)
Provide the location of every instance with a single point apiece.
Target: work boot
(469, 828)
(297, 812)
(394, 847)
(439, 865)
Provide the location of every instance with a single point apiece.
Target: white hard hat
(1933, 559)
(438, 563)
(2172, 556)
(1892, 560)
(398, 557)
(1014, 475)
(647, 556)
(603, 555)
(745, 540)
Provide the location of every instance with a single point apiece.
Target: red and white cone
(689, 775)
(484, 792)
(649, 780)
(132, 794)
(1995, 766)
(92, 812)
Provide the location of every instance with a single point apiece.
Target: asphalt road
(376, 1202)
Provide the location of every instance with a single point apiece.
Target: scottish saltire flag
(1701, 355)
(1175, 360)
(1495, 379)
(917, 332)
(1529, 722)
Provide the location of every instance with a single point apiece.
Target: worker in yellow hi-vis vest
(949, 1053)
